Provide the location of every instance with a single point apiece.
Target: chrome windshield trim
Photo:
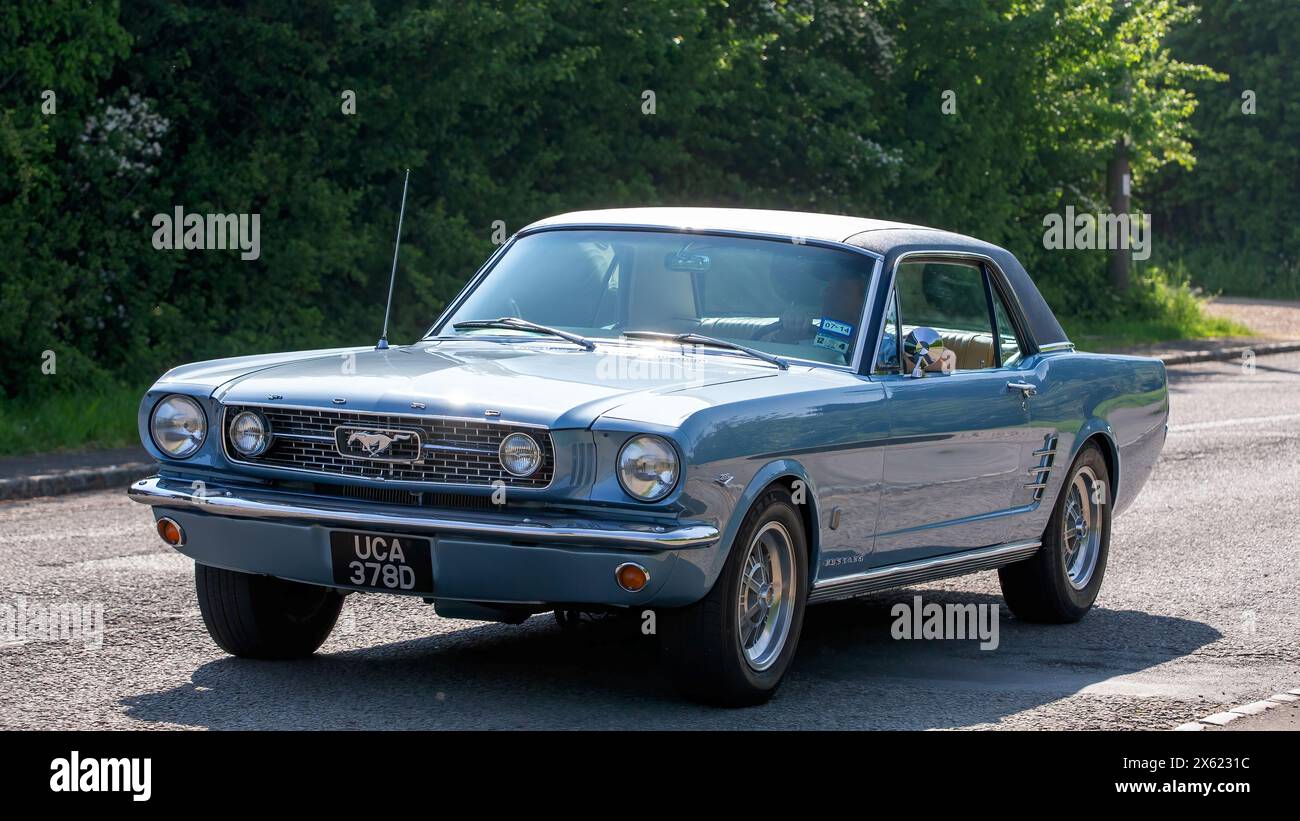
(218, 500)
(711, 232)
(867, 305)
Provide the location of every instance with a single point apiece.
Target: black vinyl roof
(893, 243)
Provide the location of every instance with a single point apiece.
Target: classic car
(705, 418)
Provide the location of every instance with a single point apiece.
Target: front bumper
(476, 556)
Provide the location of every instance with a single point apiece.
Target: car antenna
(382, 344)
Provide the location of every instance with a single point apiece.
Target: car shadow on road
(849, 673)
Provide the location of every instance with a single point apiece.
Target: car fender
(773, 471)
(1098, 428)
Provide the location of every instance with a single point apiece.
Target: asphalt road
(1198, 614)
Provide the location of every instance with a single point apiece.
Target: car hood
(557, 385)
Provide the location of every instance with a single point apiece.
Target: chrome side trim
(923, 570)
(244, 503)
(1056, 346)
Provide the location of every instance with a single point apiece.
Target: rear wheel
(732, 647)
(1060, 582)
(263, 617)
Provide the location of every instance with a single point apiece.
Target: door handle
(1025, 388)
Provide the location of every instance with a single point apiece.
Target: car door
(960, 439)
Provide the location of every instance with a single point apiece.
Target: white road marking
(1232, 423)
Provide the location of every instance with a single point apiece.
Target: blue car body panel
(892, 469)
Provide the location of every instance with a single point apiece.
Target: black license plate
(382, 561)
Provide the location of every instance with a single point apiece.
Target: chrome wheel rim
(765, 603)
(1082, 527)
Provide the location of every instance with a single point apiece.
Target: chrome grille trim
(455, 451)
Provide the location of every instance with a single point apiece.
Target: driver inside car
(841, 308)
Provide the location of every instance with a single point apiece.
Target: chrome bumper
(250, 503)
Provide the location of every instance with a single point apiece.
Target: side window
(949, 297)
(1006, 331)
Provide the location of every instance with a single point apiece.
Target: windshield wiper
(524, 325)
(701, 339)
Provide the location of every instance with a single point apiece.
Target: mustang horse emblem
(375, 444)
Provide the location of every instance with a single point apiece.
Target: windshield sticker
(834, 334)
(832, 326)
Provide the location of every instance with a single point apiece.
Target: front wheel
(732, 647)
(263, 617)
(1060, 582)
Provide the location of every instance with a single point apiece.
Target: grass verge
(73, 421)
(1161, 307)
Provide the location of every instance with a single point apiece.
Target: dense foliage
(976, 116)
(1232, 221)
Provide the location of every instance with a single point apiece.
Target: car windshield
(791, 299)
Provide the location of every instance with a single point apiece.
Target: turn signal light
(171, 532)
(631, 577)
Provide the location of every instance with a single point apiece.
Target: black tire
(1039, 589)
(262, 617)
(701, 642)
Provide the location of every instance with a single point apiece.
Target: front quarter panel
(819, 427)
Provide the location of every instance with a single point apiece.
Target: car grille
(456, 451)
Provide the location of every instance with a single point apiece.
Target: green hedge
(511, 111)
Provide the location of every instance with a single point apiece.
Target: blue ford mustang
(708, 417)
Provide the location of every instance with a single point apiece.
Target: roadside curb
(1234, 352)
(1253, 708)
(74, 481)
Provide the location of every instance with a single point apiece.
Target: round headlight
(647, 467)
(178, 426)
(250, 435)
(520, 454)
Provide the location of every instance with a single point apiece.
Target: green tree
(1231, 220)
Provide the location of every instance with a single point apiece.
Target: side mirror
(924, 346)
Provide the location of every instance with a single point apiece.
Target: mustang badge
(378, 444)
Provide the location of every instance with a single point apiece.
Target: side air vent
(1039, 473)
